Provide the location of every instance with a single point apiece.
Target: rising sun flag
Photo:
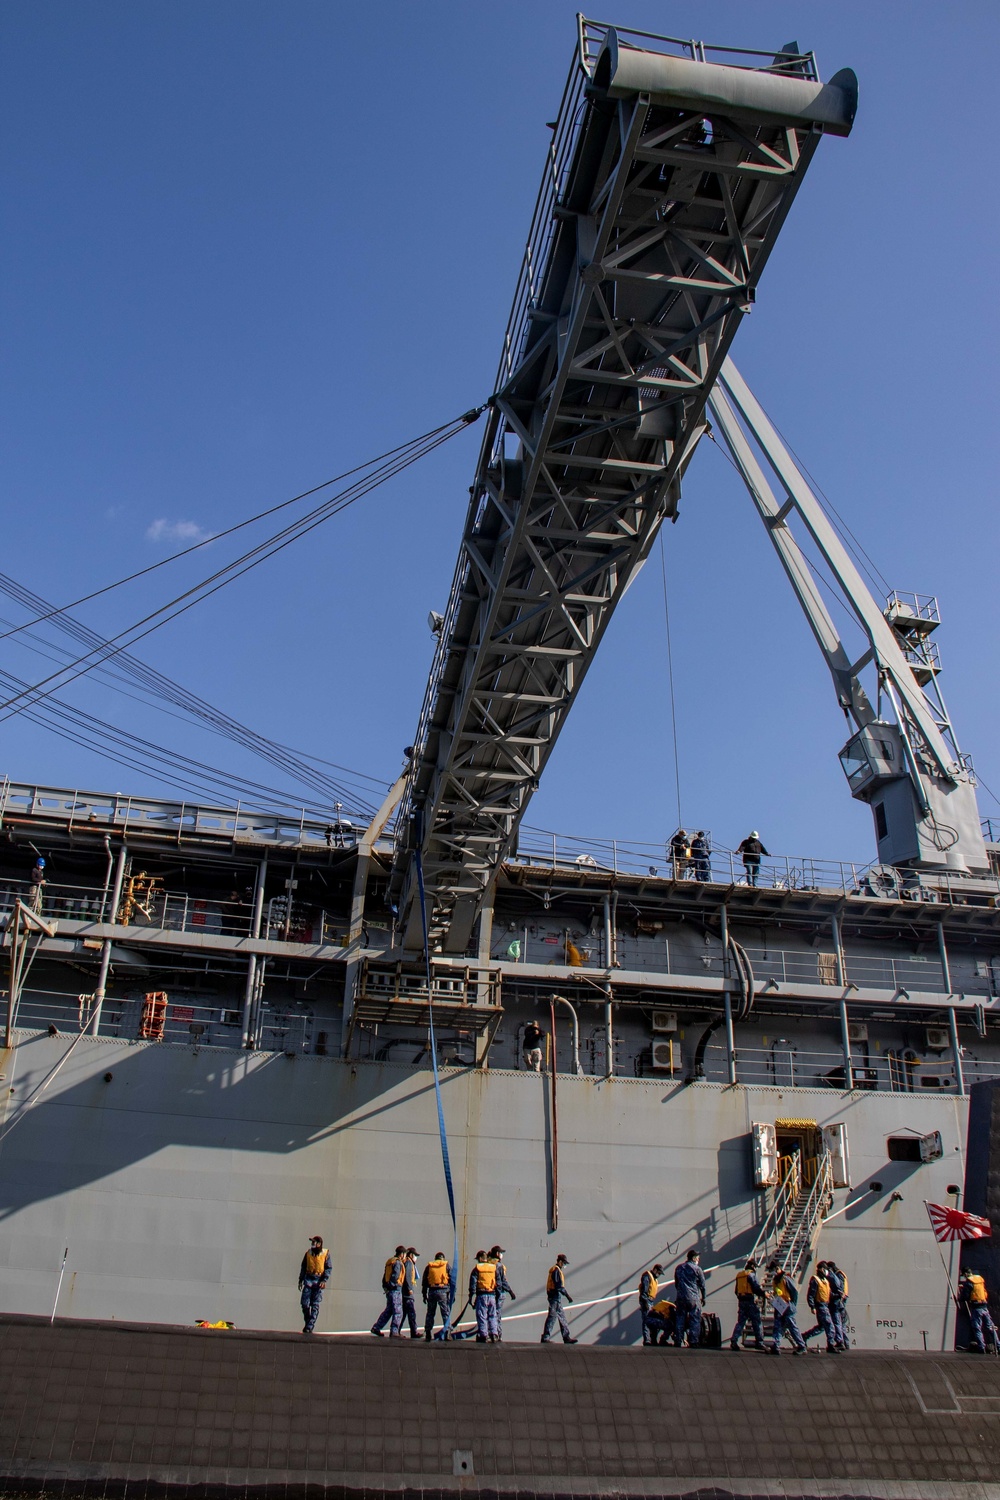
(954, 1224)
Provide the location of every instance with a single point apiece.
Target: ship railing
(298, 827)
(174, 1018)
(555, 851)
(178, 911)
(784, 1064)
(653, 953)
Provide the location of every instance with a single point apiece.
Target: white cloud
(175, 531)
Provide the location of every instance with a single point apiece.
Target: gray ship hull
(186, 1185)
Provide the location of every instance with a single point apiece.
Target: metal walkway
(668, 180)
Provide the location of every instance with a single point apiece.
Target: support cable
(469, 416)
(235, 569)
(158, 690)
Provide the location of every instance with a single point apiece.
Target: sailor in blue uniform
(689, 1279)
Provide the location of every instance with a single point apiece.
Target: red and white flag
(953, 1224)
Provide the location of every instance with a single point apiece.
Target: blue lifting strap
(445, 1158)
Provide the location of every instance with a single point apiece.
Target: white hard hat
(754, 834)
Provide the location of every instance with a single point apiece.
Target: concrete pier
(130, 1410)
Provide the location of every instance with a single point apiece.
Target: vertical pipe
(727, 1002)
(845, 1042)
(554, 1212)
(956, 1051)
(609, 1039)
(945, 965)
(111, 917)
(838, 949)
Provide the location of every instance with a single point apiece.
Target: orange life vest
(977, 1289)
(437, 1273)
(821, 1291)
(486, 1276)
(391, 1276)
(744, 1287)
(551, 1284)
(317, 1264)
(654, 1286)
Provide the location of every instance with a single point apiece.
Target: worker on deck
(649, 1286)
(555, 1290)
(411, 1280)
(701, 864)
(751, 849)
(749, 1296)
(784, 1301)
(680, 853)
(689, 1281)
(838, 1303)
(483, 1296)
(975, 1299)
(662, 1320)
(437, 1287)
(504, 1288)
(314, 1273)
(392, 1285)
(818, 1295)
(37, 885)
(531, 1046)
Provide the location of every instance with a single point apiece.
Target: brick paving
(129, 1410)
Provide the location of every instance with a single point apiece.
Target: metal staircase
(792, 1228)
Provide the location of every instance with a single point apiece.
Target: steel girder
(652, 228)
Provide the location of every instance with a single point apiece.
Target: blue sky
(249, 245)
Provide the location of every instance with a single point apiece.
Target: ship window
(904, 1148)
(881, 825)
(932, 1081)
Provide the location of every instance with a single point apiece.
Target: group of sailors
(690, 854)
(677, 1320)
(489, 1290)
(680, 1321)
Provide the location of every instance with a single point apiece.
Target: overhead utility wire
(240, 525)
(156, 685)
(235, 569)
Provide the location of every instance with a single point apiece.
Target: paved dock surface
(131, 1410)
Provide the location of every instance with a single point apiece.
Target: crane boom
(668, 180)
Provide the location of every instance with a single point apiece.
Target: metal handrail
(785, 1199)
(797, 1255)
(592, 34)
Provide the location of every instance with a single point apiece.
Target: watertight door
(765, 1155)
(835, 1142)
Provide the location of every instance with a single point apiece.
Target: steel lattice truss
(648, 241)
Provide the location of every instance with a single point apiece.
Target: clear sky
(248, 245)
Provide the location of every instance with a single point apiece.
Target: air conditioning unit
(857, 1031)
(663, 1057)
(938, 1039)
(664, 1020)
